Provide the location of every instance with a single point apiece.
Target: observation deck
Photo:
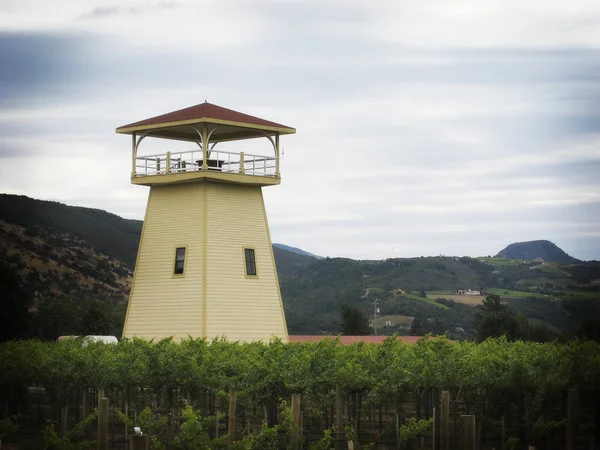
(205, 126)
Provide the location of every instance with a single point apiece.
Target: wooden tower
(205, 265)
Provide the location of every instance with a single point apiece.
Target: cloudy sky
(423, 127)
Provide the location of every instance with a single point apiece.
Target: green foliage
(74, 439)
(511, 443)
(325, 442)
(354, 322)
(193, 432)
(265, 439)
(8, 426)
(412, 430)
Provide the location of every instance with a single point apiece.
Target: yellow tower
(205, 265)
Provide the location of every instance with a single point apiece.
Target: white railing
(219, 161)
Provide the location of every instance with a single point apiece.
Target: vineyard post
(296, 401)
(434, 428)
(63, 421)
(231, 417)
(85, 402)
(503, 434)
(102, 422)
(445, 422)
(468, 433)
(339, 416)
(138, 442)
(571, 419)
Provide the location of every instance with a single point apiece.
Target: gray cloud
(400, 150)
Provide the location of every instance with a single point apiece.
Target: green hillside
(50, 251)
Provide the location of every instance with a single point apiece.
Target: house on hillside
(468, 292)
(398, 292)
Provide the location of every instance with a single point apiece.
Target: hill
(296, 250)
(532, 250)
(81, 252)
(55, 257)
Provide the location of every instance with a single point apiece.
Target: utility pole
(375, 311)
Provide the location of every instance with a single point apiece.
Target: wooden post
(168, 168)
(571, 419)
(445, 421)
(397, 431)
(467, 441)
(126, 424)
(138, 442)
(231, 417)
(84, 402)
(503, 434)
(242, 165)
(339, 417)
(217, 424)
(63, 421)
(433, 431)
(102, 423)
(296, 399)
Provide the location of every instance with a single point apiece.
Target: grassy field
(503, 261)
(514, 294)
(466, 299)
(426, 300)
(397, 320)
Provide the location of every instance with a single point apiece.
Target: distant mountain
(532, 250)
(297, 250)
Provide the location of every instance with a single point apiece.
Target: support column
(205, 147)
(277, 155)
(133, 153)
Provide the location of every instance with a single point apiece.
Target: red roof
(348, 340)
(204, 112)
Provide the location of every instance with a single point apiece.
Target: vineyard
(517, 392)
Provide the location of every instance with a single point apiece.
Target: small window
(250, 262)
(179, 261)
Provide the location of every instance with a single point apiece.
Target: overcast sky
(423, 127)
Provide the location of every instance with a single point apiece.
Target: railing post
(157, 164)
(168, 162)
(242, 167)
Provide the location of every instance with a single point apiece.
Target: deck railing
(220, 161)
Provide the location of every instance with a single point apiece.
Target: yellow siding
(237, 307)
(161, 304)
(241, 307)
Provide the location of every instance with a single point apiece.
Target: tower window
(179, 261)
(250, 261)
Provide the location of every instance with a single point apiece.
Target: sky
(423, 127)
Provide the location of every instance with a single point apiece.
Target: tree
(497, 320)
(354, 322)
(416, 327)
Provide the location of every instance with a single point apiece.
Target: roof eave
(130, 129)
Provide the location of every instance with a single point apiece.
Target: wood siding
(238, 307)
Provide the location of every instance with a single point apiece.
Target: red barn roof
(227, 124)
(348, 340)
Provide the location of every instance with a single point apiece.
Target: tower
(205, 264)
